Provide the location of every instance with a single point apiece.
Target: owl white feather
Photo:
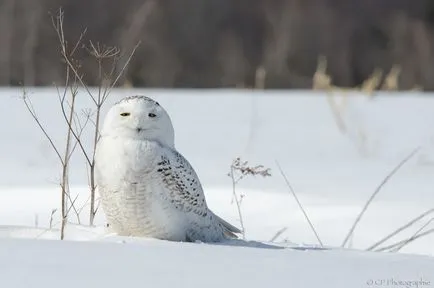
(147, 188)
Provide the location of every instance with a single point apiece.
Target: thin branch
(51, 217)
(122, 70)
(79, 127)
(32, 111)
(278, 233)
(72, 67)
(58, 27)
(73, 207)
(102, 52)
(113, 69)
(377, 190)
(400, 229)
(411, 239)
(240, 215)
(299, 204)
(406, 241)
(84, 205)
(77, 138)
(89, 115)
(65, 170)
(79, 77)
(78, 42)
(97, 206)
(62, 99)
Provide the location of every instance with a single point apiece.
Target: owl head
(141, 118)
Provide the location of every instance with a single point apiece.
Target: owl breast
(131, 192)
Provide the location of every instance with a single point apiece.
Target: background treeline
(222, 43)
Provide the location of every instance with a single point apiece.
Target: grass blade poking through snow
(278, 233)
(404, 242)
(299, 204)
(402, 228)
(377, 190)
(413, 237)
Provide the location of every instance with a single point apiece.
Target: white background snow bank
(332, 172)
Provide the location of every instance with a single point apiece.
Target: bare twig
(80, 128)
(100, 54)
(80, 39)
(377, 190)
(73, 207)
(32, 112)
(63, 160)
(243, 169)
(299, 204)
(123, 68)
(240, 215)
(69, 121)
(51, 217)
(411, 239)
(278, 233)
(65, 170)
(400, 229)
(58, 27)
(67, 99)
(405, 241)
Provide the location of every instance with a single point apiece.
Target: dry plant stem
(32, 112)
(299, 204)
(377, 190)
(244, 170)
(80, 129)
(95, 141)
(413, 236)
(92, 176)
(240, 215)
(123, 69)
(69, 150)
(58, 26)
(51, 217)
(72, 205)
(74, 133)
(65, 174)
(100, 53)
(278, 233)
(406, 241)
(64, 182)
(400, 229)
(74, 91)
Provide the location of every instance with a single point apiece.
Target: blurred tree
(223, 43)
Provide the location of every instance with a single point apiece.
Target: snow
(333, 171)
(161, 264)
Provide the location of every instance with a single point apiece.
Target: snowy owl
(148, 188)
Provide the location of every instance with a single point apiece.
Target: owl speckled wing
(184, 190)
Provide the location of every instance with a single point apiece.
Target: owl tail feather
(230, 231)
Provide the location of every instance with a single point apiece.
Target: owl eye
(125, 114)
(152, 115)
